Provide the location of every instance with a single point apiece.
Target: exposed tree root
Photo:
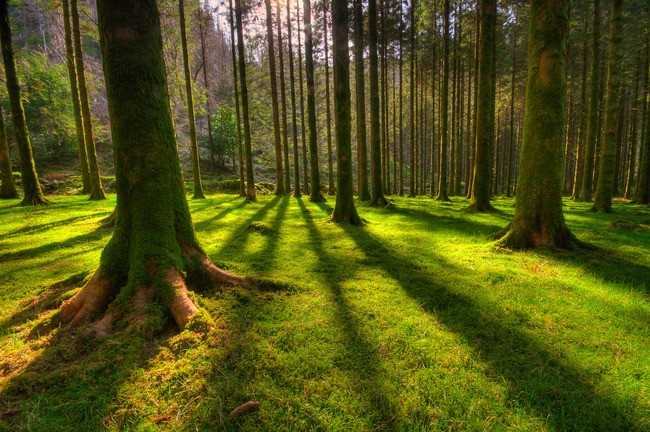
(110, 219)
(216, 274)
(87, 304)
(485, 207)
(380, 201)
(182, 307)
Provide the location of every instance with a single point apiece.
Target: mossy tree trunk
(642, 195)
(33, 195)
(279, 178)
(250, 178)
(328, 112)
(377, 198)
(511, 128)
(294, 119)
(76, 104)
(359, 74)
(632, 149)
(315, 191)
(605, 189)
(538, 220)
(580, 150)
(480, 199)
(8, 185)
(96, 189)
(344, 209)
(240, 151)
(283, 101)
(444, 108)
(594, 98)
(153, 243)
(194, 145)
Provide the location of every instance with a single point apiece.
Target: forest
(328, 215)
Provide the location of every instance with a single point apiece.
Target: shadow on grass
(201, 225)
(537, 376)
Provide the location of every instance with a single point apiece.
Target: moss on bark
(8, 185)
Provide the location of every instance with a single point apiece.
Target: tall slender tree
(444, 108)
(582, 128)
(189, 95)
(344, 209)
(642, 195)
(303, 134)
(283, 101)
(204, 20)
(250, 178)
(604, 191)
(294, 119)
(279, 180)
(538, 220)
(328, 111)
(33, 195)
(242, 189)
(412, 104)
(7, 183)
(359, 74)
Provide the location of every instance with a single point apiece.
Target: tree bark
(203, 23)
(359, 72)
(344, 209)
(328, 112)
(444, 108)
(412, 105)
(539, 221)
(303, 134)
(642, 195)
(632, 150)
(242, 189)
(8, 185)
(580, 151)
(294, 120)
(283, 99)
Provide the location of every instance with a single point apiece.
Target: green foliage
(224, 130)
(412, 322)
(48, 107)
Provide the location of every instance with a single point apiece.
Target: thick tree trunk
(240, 151)
(377, 198)
(315, 192)
(8, 185)
(344, 209)
(250, 178)
(96, 189)
(444, 108)
(592, 126)
(33, 195)
(194, 145)
(604, 191)
(538, 220)
(283, 99)
(76, 105)
(279, 180)
(642, 195)
(362, 150)
(153, 242)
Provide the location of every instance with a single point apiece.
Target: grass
(413, 322)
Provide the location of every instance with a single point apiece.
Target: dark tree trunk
(604, 191)
(401, 105)
(539, 221)
(412, 105)
(31, 186)
(203, 25)
(194, 145)
(283, 98)
(153, 243)
(362, 151)
(594, 96)
(632, 150)
(8, 185)
(328, 112)
(344, 209)
(250, 179)
(642, 195)
(444, 108)
(294, 120)
(303, 132)
(511, 139)
(279, 180)
(242, 189)
(580, 151)
(74, 92)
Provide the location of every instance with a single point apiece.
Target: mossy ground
(412, 322)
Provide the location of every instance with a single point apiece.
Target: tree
(294, 120)
(76, 104)
(7, 186)
(283, 99)
(33, 195)
(250, 179)
(279, 180)
(315, 191)
(377, 198)
(344, 209)
(153, 242)
(303, 132)
(538, 220)
(604, 191)
(328, 111)
(594, 97)
(359, 74)
(642, 195)
(96, 189)
(444, 108)
(480, 199)
(412, 106)
(240, 152)
(203, 30)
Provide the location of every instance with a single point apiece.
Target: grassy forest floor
(413, 322)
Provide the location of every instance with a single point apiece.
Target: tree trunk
(283, 98)
(444, 108)
(303, 134)
(194, 145)
(279, 180)
(362, 151)
(401, 105)
(538, 220)
(642, 195)
(96, 189)
(632, 150)
(250, 179)
(294, 120)
(375, 131)
(242, 189)
(511, 139)
(412, 105)
(592, 127)
(328, 112)
(31, 186)
(580, 151)
(8, 186)
(344, 209)
(208, 107)
(604, 191)
(153, 243)
(76, 105)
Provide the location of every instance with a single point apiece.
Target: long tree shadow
(201, 225)
(364, 360)
(537, 376)
(264, 258)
